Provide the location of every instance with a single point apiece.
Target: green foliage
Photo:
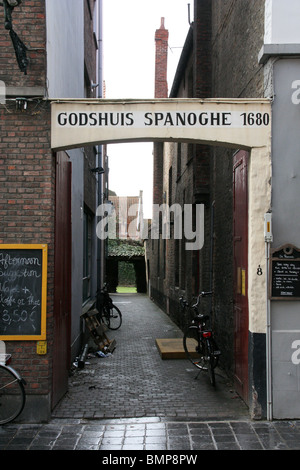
(125, 248)
(126, 273)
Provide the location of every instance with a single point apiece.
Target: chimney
(161, 61)
(161, 91)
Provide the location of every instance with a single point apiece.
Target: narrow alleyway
(134, 400)
(135, 382)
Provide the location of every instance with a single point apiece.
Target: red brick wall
(29, 24)
(161, 61)
(184, 271)
(160, 91)
(27, 173)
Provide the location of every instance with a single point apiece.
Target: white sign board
(239, 123)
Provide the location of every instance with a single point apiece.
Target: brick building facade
(219, 60)
(182, 176)
(42, 200)
(125, 244)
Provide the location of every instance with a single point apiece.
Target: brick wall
(160, 91)
(237, 37)
(226, 38)
(161, 58)
(175, 270)
(126, 221)
(29, 24)
(27, 173)
(90, 47)
(202, 49)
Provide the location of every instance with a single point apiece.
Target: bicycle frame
(198, 341)
(107, 310)
(6, 363)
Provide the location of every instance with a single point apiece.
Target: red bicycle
(198, 341)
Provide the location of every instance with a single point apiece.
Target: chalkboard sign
(23, 292)
(285, 273)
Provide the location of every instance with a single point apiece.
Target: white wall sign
(242, 123)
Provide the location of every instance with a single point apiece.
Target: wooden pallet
(97, 331)
(170, 348)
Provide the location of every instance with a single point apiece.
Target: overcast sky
(128, 71)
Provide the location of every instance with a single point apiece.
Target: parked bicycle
(198, 340)
(12, 391)
(108, 312)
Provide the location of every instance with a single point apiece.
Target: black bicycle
(198, 341)
(12, 391)
(108, 312)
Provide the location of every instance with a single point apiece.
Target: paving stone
(134, 400)
(136, 382)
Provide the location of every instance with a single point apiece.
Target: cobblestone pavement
(135, 382)
(151, 434)
(134, 400)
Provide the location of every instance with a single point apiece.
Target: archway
(239, 124)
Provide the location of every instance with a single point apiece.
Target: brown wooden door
(62, 282)
(240, 254)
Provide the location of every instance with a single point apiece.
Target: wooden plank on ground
(170, 348)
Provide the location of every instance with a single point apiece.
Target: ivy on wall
(125, 248)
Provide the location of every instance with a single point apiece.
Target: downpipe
(268, 239)
(268, 339)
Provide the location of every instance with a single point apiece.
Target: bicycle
(12, 391)
(108, 312)
(198, 341)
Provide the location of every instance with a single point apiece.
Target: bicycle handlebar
(184, 303)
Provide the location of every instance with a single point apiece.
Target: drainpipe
(212, 222)
(100, 251)
(212, 241)
(268, 240)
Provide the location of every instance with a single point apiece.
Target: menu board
(23, 292)
(285, 273)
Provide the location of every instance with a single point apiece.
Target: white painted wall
(282, 20)
(65, 48)
(65, 79)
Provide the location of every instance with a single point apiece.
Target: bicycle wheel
(194, 348)
(12, 394)
(112, 317)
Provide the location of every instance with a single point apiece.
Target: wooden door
(240, 255)
(62, 282)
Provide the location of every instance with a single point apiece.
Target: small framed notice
(285, 273)
(23, 292)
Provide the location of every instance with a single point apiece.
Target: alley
(135, 382)
(133, 400)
